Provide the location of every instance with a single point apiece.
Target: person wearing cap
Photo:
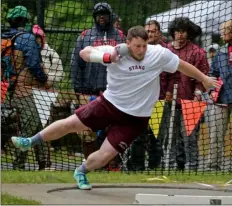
(220, 111)
(30, 73)
(184, 149)
(89, 79)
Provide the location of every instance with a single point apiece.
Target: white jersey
(134, 86)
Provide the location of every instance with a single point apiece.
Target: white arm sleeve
(170, 61)
(105, 48)
(98, 52)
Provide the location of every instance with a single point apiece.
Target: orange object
(215, 94)
(4, 87)
(192, 111)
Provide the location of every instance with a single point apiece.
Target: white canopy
(206, 14)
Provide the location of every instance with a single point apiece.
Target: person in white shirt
(52, 64)
(126, 105)
(51, 60)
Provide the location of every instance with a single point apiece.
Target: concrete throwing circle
(156, 194)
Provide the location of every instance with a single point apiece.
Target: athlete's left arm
(192, 71)
(103, 54)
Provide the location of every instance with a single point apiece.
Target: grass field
(39, 177)
(113, 177)
(7, 199)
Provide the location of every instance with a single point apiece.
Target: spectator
(156, 37)
(26, 59)
(154, 33)
(219, 113)
(117, 24)
(117, 21)
(185, 148)
(147, 140)
(133, 68)
(52, 65)
(212, 51)
(51, 61)
(90, 78)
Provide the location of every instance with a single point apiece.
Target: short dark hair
(137, 31)
(185, 25)
(150, 22)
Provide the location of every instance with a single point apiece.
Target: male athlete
(126, 105)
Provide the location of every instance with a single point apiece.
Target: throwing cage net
(190, 129)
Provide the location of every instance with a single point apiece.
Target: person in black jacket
(89, 79)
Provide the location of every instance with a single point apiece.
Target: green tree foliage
(134, 12)
(9, 4)
(76, 15)
(4, 10)
(68, 14)
(30, 5)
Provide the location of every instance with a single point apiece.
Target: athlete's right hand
(122, 49)
(119, 51)
(114, 57)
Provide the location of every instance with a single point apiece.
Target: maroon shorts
(122, 128)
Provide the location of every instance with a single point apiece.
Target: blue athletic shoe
(21, 143)
(82, 181)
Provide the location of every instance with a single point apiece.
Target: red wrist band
(106, 58)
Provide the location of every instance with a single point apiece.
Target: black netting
(185, 132)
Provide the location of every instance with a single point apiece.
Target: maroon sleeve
(203, 65)
(163, 85)
(171, 80)
(170, 76)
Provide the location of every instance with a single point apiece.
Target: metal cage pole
(40, 5)
(170, 130)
